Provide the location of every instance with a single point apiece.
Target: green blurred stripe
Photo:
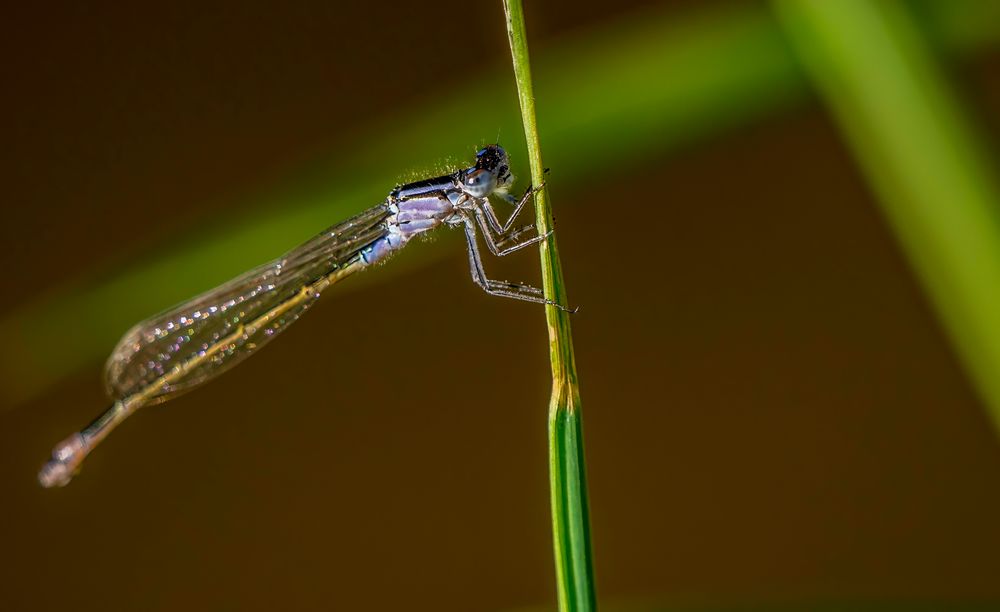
(908, 132)
(606, 98)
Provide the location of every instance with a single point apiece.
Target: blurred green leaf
(611, 97)
(908, 132)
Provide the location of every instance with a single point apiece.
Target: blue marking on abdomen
(381, 248)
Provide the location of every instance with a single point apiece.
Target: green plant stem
(567, 472)
(908, 133)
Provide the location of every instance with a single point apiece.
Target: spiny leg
(494, 242)
(491, 215)
(516, 291)
(529, 194)
(514, 235)
(479, 273)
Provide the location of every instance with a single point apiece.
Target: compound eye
(490, 158)
(478, 183)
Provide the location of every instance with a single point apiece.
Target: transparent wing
(229, 323)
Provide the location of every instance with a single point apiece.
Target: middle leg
(516, 291)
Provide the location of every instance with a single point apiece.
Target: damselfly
(190, 344)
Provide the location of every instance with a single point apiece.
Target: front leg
(491, 215)
(499, 235)
(495, 243)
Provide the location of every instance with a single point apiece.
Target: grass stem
(567, 473)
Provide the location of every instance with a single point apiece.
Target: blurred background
(784, 405)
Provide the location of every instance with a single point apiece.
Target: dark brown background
(772, 411)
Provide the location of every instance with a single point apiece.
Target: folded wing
(197, 340)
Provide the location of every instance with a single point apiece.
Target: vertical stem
(567, 472)
(907, 130)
